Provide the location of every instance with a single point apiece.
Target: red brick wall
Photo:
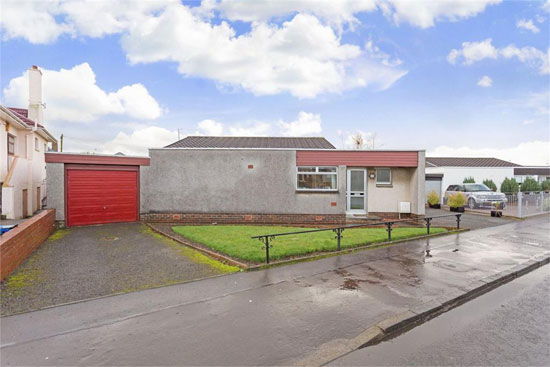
(17, 244)
(244, 218)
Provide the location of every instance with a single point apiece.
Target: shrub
(490, 184)
(469, 180)
(509, 185)
(545, 185)
(457, 200)
(529, 184)
(433, 198)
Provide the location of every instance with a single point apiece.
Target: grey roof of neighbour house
(467, 162)
(252, 142)
(526, 171)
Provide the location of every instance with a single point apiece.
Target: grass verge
(235, 241)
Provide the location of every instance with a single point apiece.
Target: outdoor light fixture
(371, 175)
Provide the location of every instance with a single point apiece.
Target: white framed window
(317, 178)
(383, 176)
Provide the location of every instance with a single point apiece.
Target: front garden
(236, 242)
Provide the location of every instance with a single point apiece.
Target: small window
(36, 144)
(317, 178)
(45, 148)
(383, 176)
(11, 144)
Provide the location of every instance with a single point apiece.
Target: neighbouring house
(539, 173)
(275, 180)
(23, 143)
(444, 171)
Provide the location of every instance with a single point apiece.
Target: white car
(478, 195)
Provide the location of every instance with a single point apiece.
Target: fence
(267, 238)
(526, 204)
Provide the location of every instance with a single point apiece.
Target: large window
(317, 178)
(11, 144)
(383, 176)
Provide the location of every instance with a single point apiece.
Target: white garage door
(433, 183)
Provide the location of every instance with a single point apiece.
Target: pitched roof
(23, 115)
(252, 142)
(467, 162)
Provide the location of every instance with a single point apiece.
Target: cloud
(336, 13)
(139, 141)
(534, 153)
(485, 81)
(255, 129)
(306, 124)
(472, 52)
(73, 95)
(209, 127)
(528, 25)
(302, 56)
(424, 14)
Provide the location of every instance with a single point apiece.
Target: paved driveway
(467, 220)
(86, 262)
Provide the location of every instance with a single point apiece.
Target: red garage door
(102, 194)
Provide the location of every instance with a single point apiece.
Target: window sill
(317, 191)
(384, 185)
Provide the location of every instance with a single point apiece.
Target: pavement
(467, 220)
(508, 326)
(303, 314)
(86, 262)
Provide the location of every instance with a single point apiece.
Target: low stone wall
(17, 244)
(236, 218)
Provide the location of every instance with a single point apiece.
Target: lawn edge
(312, 257)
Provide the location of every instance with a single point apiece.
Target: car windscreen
(476, 187)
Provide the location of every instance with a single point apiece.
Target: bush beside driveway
(86, 262)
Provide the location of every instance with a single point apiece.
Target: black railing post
(339, 236)
(265, 241)
(389, 224)
(428, 223)
(458, 221)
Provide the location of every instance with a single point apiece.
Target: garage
(433, 182)
(94, 189)
(101, 194)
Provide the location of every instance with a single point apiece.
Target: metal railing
(267, 238)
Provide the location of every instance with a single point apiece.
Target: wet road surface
(276, 316)
(509, 326)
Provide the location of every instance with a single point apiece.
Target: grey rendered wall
(219, 181)
(55, 179)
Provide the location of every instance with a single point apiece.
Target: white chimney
(35, 95)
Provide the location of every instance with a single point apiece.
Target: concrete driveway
(86, 262)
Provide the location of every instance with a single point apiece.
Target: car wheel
(471, 203)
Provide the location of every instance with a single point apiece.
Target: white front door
(356, 193)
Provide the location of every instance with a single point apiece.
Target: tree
(530, 184)
(545, 185)
(490, 184)
(358, 141)
(509, 186)
(469, 180)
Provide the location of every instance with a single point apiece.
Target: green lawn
(235, 241)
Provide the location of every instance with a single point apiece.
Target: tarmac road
(507, 326)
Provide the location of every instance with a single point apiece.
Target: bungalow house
(203, 179)
(23, 143)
